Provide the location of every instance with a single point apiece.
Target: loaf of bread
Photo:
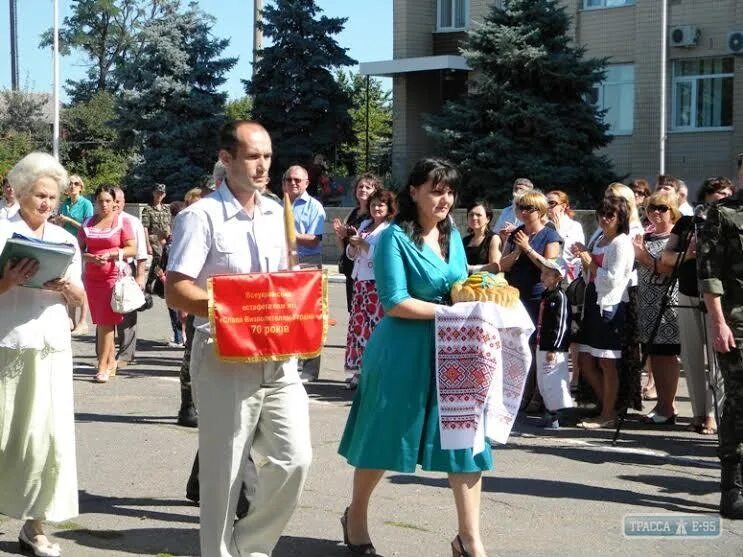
(485, 287)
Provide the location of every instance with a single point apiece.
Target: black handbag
(576, 291)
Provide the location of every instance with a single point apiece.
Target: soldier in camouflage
(720, 261)
(156, 222)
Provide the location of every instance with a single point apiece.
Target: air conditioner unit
(735, 42)
(685, 36)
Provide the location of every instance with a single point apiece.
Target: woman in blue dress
(394, 420)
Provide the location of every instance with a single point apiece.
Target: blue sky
(367, 35)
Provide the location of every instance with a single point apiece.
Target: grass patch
(164, 555)
(406, 525)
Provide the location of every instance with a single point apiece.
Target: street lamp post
(663, 64)
(257, 31)
(55, 96)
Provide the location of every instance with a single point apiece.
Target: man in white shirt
(508, 220)
(684, 207)
(309, 220)
(8, 203)
(256, 410)
(127, 329)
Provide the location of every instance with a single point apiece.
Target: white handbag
(127, 296)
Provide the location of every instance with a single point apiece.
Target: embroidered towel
(482, 360)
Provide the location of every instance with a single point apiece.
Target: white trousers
(553, 380)
(693, 359)
(261, 408)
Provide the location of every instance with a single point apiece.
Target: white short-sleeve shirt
(214, 235)
(139, 236)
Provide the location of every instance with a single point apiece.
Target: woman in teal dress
(394, 420)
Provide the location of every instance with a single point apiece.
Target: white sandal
(42, 547)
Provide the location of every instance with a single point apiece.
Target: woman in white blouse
(607, 268)
(366, 309)
(571, 231)
(38, 474)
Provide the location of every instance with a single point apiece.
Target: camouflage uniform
(720, 264)
(157, 223)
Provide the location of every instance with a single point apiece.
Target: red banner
(263, 317)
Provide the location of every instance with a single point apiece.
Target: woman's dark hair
(713, 185)
(617, 206)
(387, 197)
(640, 185)
(481, 203)
(110, 189)
(442, 175)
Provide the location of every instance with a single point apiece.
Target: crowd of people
(401, 253)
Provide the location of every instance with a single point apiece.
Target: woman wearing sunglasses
(664, 347)
(571, 231)
(72, 213)
(522, 255)
(607, 269)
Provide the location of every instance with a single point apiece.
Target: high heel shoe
(657, 419)
(458, 551)
(35, 548)
(355, 549)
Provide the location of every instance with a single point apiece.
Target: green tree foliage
(528, 112)
(295, 95)
(169, 109)
(379, 126)
(14, 146)
(23, 111)
(239, 109)
(23, 126)
(105, 32)
(90, 142)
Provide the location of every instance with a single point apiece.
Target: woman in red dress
(104, 237)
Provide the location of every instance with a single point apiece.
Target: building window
(592, 4)
(703, 94)
(616, 95)
(452, 15)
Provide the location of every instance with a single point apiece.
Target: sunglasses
(527, 208)
(552, 203)
(640, 193)
(607, 214)
(659, 208)
(76, 183)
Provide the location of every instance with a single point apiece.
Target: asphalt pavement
(564, 493)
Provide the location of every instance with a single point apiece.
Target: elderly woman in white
(38, 473)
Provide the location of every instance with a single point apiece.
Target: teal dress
(394, 419)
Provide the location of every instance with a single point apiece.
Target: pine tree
(169, 109)
(379, 125)
(295, 95)
(527, 113)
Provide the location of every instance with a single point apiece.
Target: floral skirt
(366, 313)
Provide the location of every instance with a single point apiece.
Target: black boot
(192, 486)
(731, 499)
(243, 504)
(187, 415)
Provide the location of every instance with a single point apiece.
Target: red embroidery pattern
(467, 353)
(366, 313)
